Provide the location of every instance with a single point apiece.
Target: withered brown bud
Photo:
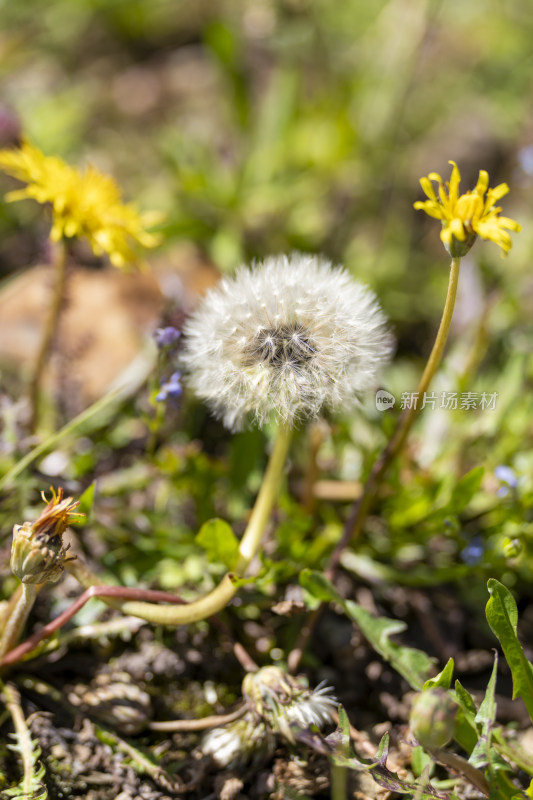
(37, 552)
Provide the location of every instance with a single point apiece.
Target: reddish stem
(93, 591)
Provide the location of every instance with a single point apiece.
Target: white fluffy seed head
(285, 338)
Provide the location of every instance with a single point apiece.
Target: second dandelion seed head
(284, 339)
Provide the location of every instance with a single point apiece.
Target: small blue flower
(508, 477)
(165, 337)
(473, 552)
(171, 389)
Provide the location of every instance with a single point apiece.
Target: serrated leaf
(340, 739)
(377, 766)
(219, 542)
(414, 665)
(502, 616)
(487, 710)
(391, 781)
(443, 679)
(465, 700)
(485, 717)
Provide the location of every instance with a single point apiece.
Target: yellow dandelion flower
(85, 204)
(466, 216)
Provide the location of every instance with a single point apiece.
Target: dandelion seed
(286, 338)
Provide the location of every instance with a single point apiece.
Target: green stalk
(339, 782)
(60, 267)
(216, 600)
(354, 523)
(405, 423)
(15, 623)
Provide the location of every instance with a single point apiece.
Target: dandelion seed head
(285, 338)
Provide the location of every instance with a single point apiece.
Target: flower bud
(457, 248)
(432, 718)
(37, 552)
(511, 547)
(241, 742)
(284, 701)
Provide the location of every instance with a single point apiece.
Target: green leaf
(487, 710)
(465, 489)
(443, 679)
(465, 700)
(485, 718)
(318, 586)
(86, 502)
(419, 760)
(219, 542)
(340, 739)
(466, 732)
(414, 665)
(502, 616)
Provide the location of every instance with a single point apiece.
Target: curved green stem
(17, 618)
(60, 266)
(220, 596)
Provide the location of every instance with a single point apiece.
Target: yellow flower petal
(467, 215)
(85, 204)
(455, 180)
(482, 183)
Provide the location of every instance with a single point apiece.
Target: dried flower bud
(37, 552)
(283, 700)
(239, 742)
(432, 718)
(277, 703)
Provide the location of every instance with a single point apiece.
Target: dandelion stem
(18, 617)
(60, 267)
(405, 423)
(14, 655)
(339, 782)
(199, 724)
(220, 596)
(354, 523)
